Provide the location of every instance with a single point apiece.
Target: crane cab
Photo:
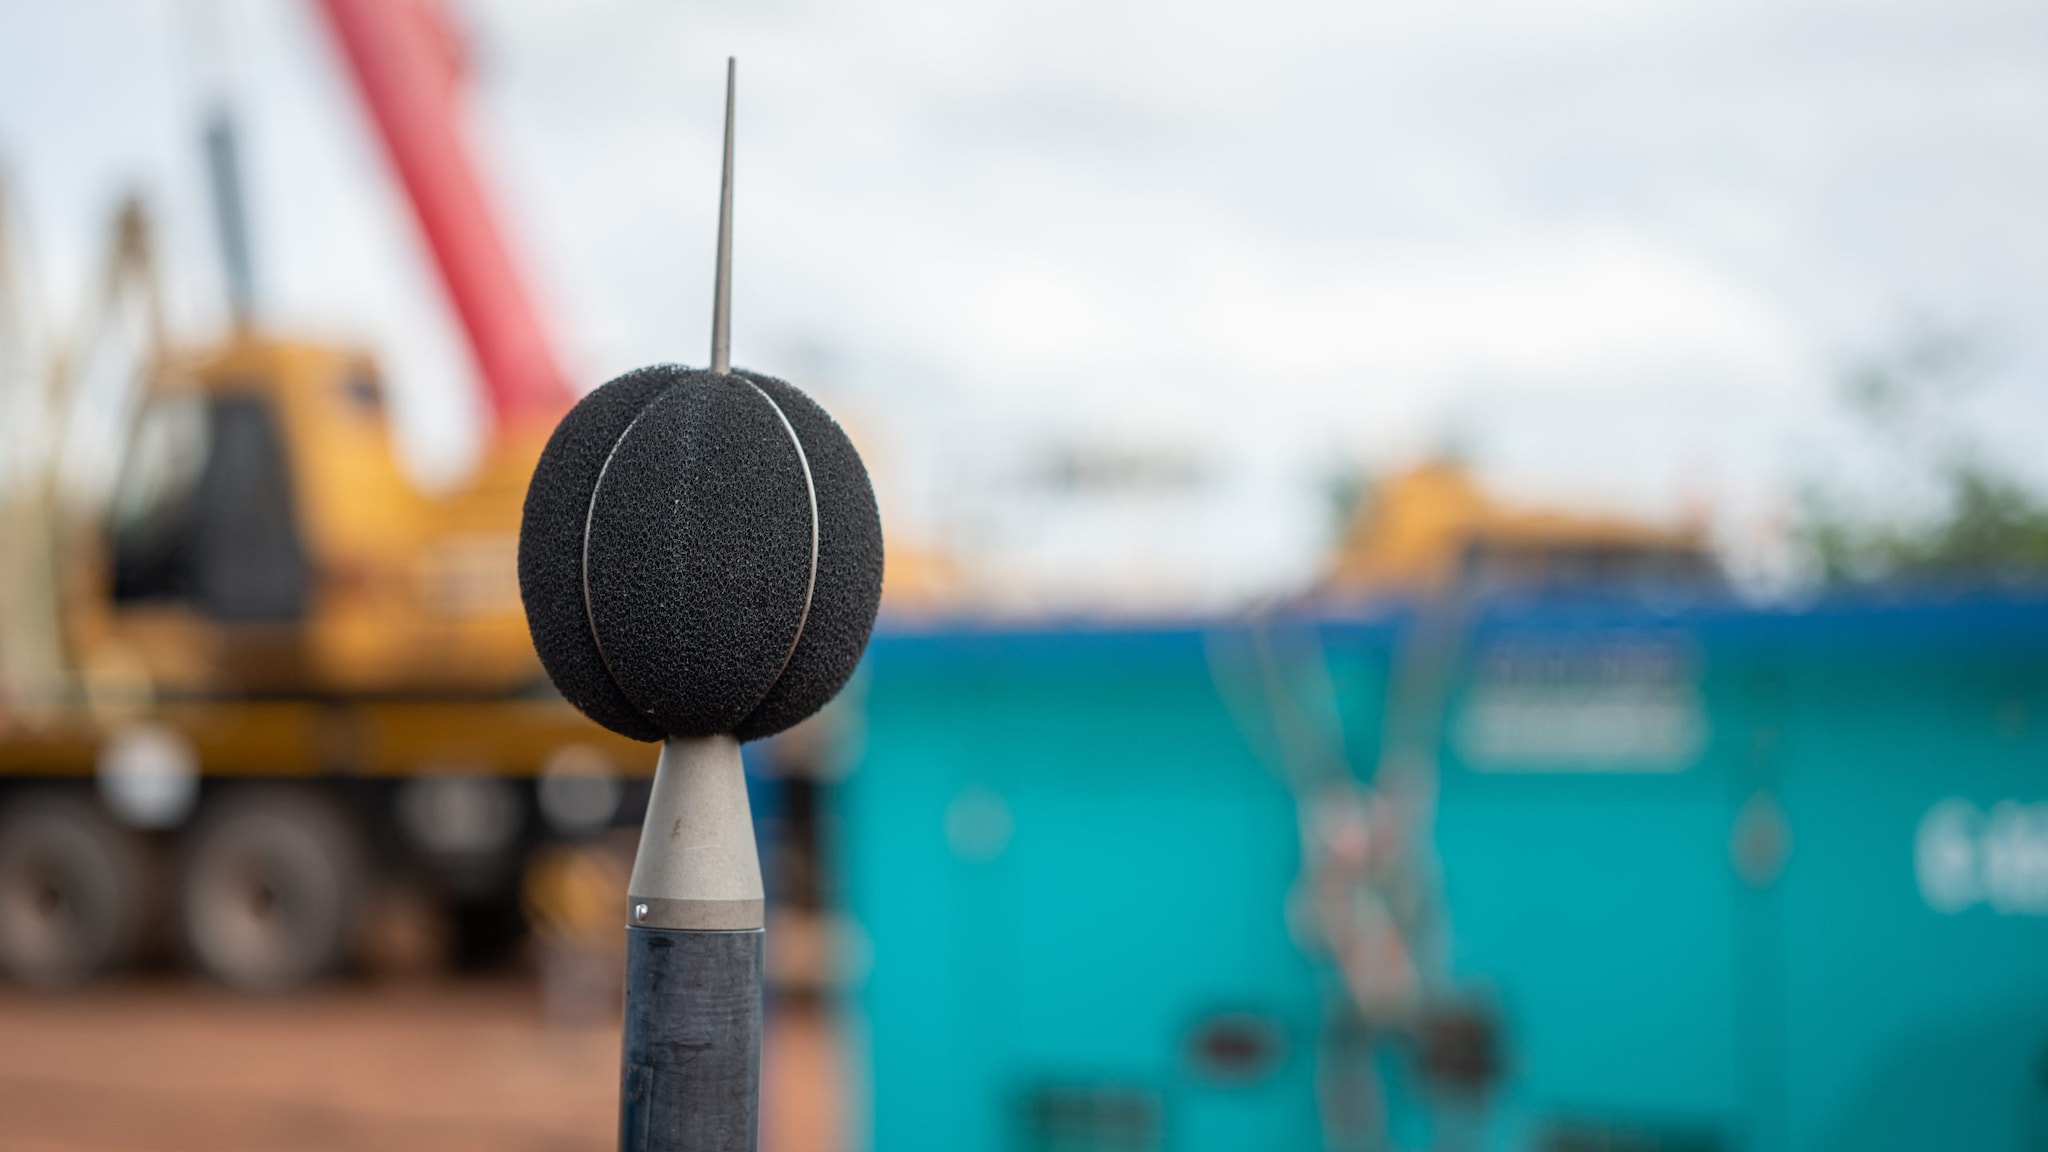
(262, 537)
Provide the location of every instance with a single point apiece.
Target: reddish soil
(177, 1067)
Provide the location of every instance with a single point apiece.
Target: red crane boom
(405, 66)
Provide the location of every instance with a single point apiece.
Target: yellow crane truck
(258, 677)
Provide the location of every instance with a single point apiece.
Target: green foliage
(1991, 529)
(1986, 527)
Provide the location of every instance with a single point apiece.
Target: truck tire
(73, 896)
(271, 889)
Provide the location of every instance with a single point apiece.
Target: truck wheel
(270, 890)
(72, 898)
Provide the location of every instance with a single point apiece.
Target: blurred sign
(1612, 705)
(1964, 856)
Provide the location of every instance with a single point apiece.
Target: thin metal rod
(721, 291)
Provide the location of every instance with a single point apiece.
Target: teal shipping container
(1714, 878)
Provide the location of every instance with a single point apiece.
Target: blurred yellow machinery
(254, 678)
(1432, 526)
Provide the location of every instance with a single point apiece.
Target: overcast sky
(1616, 252)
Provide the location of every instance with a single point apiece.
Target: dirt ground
(174, 1066)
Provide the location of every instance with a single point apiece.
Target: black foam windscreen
(700, 554)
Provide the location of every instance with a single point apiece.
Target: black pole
(692, 1068)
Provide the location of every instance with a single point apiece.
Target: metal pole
(690, 1076)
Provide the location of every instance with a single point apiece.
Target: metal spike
(721, 292)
